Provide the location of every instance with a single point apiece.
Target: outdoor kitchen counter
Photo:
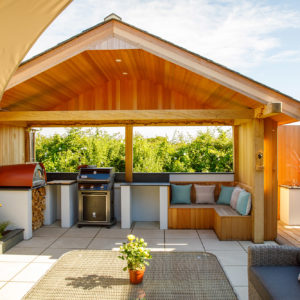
(61, 202)
(129, 203)
(290, 204)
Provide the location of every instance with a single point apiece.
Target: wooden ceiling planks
(95, 78)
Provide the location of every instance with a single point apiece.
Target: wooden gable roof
(115, 66)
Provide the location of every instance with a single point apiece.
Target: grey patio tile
(181, 233)
(242, 292)
(155, 244)
(146, 225)
(71, 242)
(115, 226)
(116, 233)
(37, 242)
(51, 255)
(148, 233)
(32, 272)
(56, 224)
(85, 231)
(106, 244)
(211, 244)
(187, 244)
(15, 290)
(49, 231)
(231, 258)
(18, 254)
(207, 234)
(10, 269)
(237, 275)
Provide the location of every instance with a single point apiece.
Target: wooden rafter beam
(125, 115)
(268, 110)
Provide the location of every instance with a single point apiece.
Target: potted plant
(136, 254)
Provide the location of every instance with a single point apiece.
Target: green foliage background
(209, 151)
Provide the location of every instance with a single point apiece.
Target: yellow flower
(0, 204)
(142, 240)
(130, 237)
(145, 244)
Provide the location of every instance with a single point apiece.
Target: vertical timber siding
(270, 179)
(12, 145)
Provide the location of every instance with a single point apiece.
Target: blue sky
(258, 38)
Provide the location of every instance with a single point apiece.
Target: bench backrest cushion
(205, 193)
(235, 196)
(244, 203)
(181, 194)
(225, 195)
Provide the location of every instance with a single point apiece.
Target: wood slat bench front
(225, 221)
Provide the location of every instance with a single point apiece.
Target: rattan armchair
(273, 272)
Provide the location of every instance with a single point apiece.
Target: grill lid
(23, 175)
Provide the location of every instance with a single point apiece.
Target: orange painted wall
(289, 154)
(288, 157)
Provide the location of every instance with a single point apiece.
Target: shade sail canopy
(21, 23)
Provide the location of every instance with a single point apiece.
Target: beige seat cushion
(225, 210)
(205, 193)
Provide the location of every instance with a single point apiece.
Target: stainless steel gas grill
(95, 195)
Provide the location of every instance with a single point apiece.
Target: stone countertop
(290, 186)
(62, 182)
(145, 184)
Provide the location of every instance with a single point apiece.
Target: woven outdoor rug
(97, 274)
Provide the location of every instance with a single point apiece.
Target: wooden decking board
(289, 235)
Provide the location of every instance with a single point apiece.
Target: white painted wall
(17, 209)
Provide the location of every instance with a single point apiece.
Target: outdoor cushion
(235, 196)
(205, 193)
(225, 195)
(244, 203)
(181, 194)
(275, 282)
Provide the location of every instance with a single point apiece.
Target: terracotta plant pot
(136, 276)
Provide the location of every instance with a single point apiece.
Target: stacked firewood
(38, 207)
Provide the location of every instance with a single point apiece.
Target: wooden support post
(235, 132)
(27, 144)
(258, 182)
(128, 153)
(270, 178)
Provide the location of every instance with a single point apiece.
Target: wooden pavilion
(114, 74)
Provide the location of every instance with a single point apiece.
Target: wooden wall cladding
(270, 179)
(129, 94)
(12, 145)
(289, 154)
(245, 154)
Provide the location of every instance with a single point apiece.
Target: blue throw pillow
(225, 195)
(244, 203)
(181, 194)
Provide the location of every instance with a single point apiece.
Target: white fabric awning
(21, 23)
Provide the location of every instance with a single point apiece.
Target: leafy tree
(209, 151)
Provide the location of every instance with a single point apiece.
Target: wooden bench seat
(226, 222)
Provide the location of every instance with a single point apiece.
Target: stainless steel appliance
(95, 195)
